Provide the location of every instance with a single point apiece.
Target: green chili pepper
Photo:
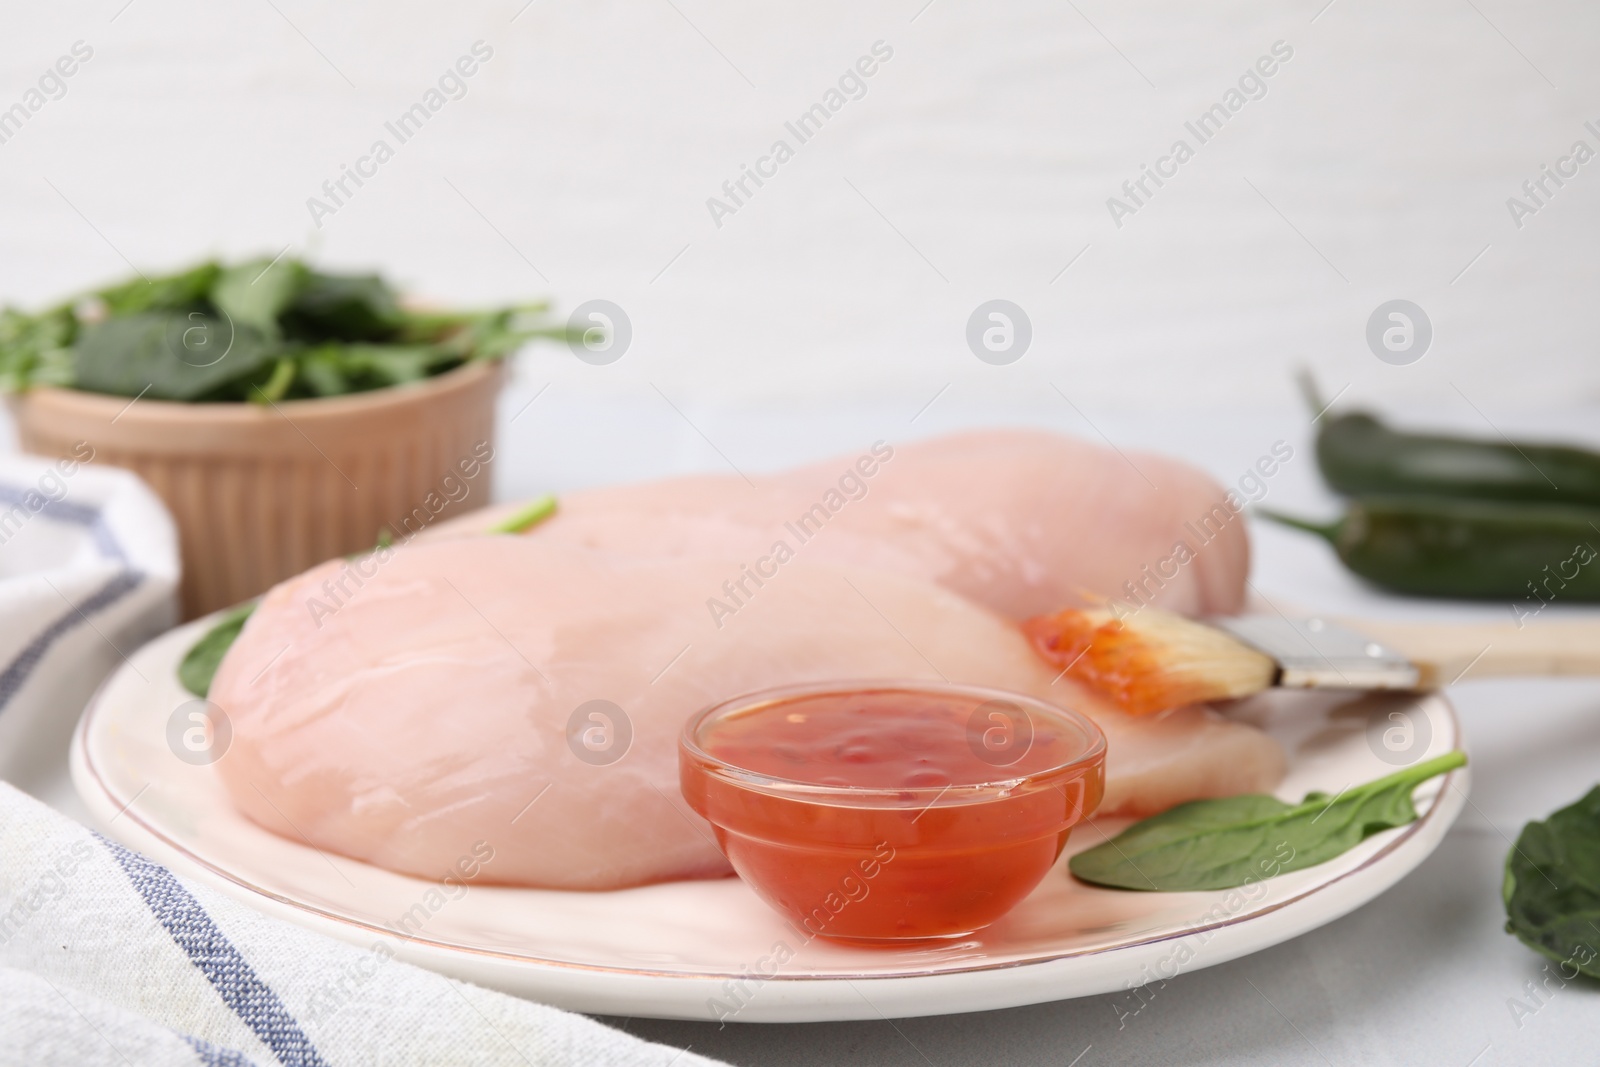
(1438, 546)
(1360, 456)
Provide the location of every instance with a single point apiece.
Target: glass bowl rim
(968, 793)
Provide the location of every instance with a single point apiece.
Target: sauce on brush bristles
(1146, 660)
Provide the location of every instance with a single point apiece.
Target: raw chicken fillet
(1023, 522)
(402, 717)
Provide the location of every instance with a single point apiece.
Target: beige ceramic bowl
(262, 493)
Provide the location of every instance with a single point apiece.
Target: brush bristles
(1146, 660)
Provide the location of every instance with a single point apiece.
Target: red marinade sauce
(879, 740)
(965, 803)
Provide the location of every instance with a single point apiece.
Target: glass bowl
(878, 811)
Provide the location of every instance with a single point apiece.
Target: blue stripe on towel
(105, 541)
(215, 1055)
(65, 511)
(16, 673)
(209, 949)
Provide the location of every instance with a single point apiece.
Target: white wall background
(989, 145)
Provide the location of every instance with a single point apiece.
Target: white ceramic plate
(688, 950)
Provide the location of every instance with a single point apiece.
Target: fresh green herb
(1552, 886)
(36, 349)
(172, 292)
(526, 518)
(200, 663)
(257, 331)
(167, 355)
(1232, 841)
(346, 307)
(255, 294)
(282, 377)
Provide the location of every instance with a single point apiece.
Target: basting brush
(1147, 660)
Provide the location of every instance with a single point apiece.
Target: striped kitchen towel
(107, 959)
(88, 572)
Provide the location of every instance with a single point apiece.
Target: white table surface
(1423, 974)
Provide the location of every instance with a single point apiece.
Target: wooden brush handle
(1446, 651)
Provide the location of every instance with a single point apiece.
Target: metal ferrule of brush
(1318, 654)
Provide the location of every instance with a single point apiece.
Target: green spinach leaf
(322, 370)
(255, 294)
(392, 364)
(36, 349)
(271, 391)
(200, 663)
(168, 355)
(1552, 886)
(343, 307)
(262, 331)
(1231, 841)
(170, 292)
